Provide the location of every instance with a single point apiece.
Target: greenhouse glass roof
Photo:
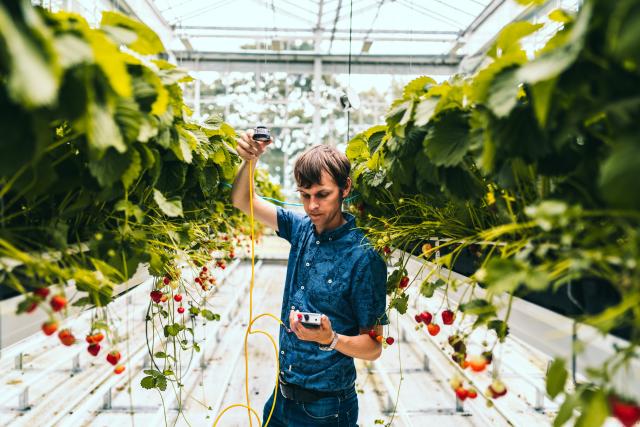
(420, 27)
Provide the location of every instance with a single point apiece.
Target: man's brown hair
(309, 166)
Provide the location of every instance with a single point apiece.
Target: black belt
(304, 395)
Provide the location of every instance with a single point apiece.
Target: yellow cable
(248, 332)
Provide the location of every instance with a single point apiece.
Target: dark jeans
(328, 411)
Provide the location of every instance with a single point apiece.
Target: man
(331, 270)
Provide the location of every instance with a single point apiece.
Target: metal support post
(23, 400)
(19, 362)
(75, 367)
(106, 400)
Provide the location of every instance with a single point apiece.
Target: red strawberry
(373, 334)
(626, 412)
(198, 280)
(94, 349)
(379, 338)
(113, 357)
(433, 329)
(66, 337)
(164, 298)
(156, 296)
(49, 327)
(58, 302)
(177, 297)
(97, 337)
(462, 393)
(42, 292)
(204, 269)
(390, 340)
(387, 250)
(448, 317)
(32, 307)
(472, 393)
(418, 318)
(404, 282)
(180, 310)
(166, 280)
(118, 369)
(426, 317)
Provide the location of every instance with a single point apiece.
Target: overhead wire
(200, 11)
(335, 23)
(433, 15)
(375, 18)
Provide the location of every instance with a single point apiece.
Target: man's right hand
(249, 149)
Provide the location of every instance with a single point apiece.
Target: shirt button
(293, 307)
(282, 352)
(302, 287)
(307, 264)
(317, 242)
(330, 238)
(329, 281)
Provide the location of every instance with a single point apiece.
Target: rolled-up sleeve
(368, 294)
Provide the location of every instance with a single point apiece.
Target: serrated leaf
(417, 87)
(111, 61)
(556, 378)
(209, 315)
(425, 110)
(147, 41)
(400, 303)
(102, 130)
(595, 410)
(34, 72)
(109, 169)
(133, 171)
(478, 307)
(148, 383)
(130, 209)
(508, 40)
(170, 208)
(427, 289)
(447, 140)
(565, 412)
(541, 98)
(153, 372)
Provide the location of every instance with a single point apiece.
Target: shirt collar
(338, 232)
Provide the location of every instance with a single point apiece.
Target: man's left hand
(321, 335)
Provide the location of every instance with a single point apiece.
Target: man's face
(322, 202)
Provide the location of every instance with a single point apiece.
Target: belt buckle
(285, 390)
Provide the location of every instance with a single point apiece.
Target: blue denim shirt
(336, 273)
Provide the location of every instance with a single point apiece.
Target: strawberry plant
(520, 176)
(102, 170)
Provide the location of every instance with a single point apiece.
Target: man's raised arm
(250, 150)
